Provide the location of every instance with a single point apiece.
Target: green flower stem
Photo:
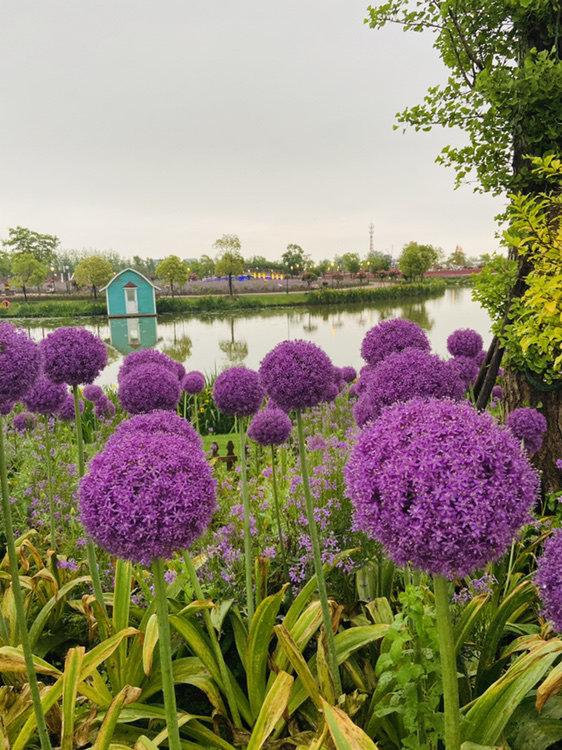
(278, 514)
(422, 734)
(318, 569)
(196, 411)
(91, 550)
(18, 600)
(165, 648)
(247, 535)
(214, 641)
(448, 663)
(50, 484)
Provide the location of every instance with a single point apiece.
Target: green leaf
(345, 734)
(125, 696)
(298, 662)
(70, 680)
(271, 711)
(149, 643)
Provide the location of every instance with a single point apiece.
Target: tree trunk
(24, 292)
(519, 392)
(95, 291)
(230, 283)
(172, 287)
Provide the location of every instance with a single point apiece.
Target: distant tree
(309, 277)
(294, 260)
(5, 264)
(42, 247)
(146, 266)
(321, 268)
(337, 277)
(416, 259)
(352, 263)
(377, 261)
(28, 271)
(206, 266)
(229, 258)
(458, 258)
(172, 269)
(94, 272)
(362, 275)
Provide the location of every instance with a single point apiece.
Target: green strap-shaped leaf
(70, 680)
(345, 734)
(261, 629)
(468, 620)
(271, 711)
(149, 644)
(120, 613)
(298, 662)
(40, 621)
(125, 696)
(12, 660)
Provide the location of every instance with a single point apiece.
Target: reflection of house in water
(131, 309)
(128, 334)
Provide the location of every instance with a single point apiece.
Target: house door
(131, 303)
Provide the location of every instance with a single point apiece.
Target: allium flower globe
(73, 356)
(146, 496)
(270, 427)
(392, 336)
(528, 425)
(93, 393)
(464, 343)
(348, 373)
(104, 408)
(466, 368)
(158, 421)
(441, 485)
(66, 409)
(143, 357)
(238, 392)
(20, 362)
(296, 374)
(193, 382)
(24, 421)
(549, 578)
(149, 387)
(45, 397)
(6, 407)
(411, 373)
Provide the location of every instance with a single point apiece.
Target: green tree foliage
(94, 272)
(504, 88)
(146, 266)
(351, 263)
(457, 258)
(42, 247)
(416, 259)
(377, 261)
(229, 258)
(294, 260)
(28, 271)
(172, 269)
(206, 266)
(5, 264)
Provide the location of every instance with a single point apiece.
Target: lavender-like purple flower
(348, 373)
(6, 407)
(528, 425)
(24, 421)
(66, 409)
(238, 392)
(93, 393)
(45, 397)
(427, 479)
(270, 427)
(296, 374)
(392, 336)
(193, 382)
(143, 357)
(549, 578)
(20, 362)
(159, 421)
(104, 408)
(147, 495)
(466, 369)
(149, 387)
(411, 373)
(73, 356)
(497, 392)
(464, 342)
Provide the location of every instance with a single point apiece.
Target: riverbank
(64, 308)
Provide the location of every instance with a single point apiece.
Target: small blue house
(129, 294)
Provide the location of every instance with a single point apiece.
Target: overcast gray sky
(152, 128)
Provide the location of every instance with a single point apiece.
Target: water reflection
(212, 342)
(128, 334)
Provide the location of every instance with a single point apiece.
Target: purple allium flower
(193, 382)
(296, 374)
(464, 342)
(480, 357)
(270, 427)
(149, 387)
(66, 409)
(159, 421)
(20, 362)
(331, 392)
(466, 368)
(528, 425)
(6, 407)
(497, 392)
(427, 479)
(411, 373)
(143, 357)
(392, 336)
(93, 393)
(73, 356)
(45, 397)
(238, 392)
(348, 373)
(104, 408)
(24, 421)
(147, 495)
(549, 578)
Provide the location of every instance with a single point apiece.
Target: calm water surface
(214, 342)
